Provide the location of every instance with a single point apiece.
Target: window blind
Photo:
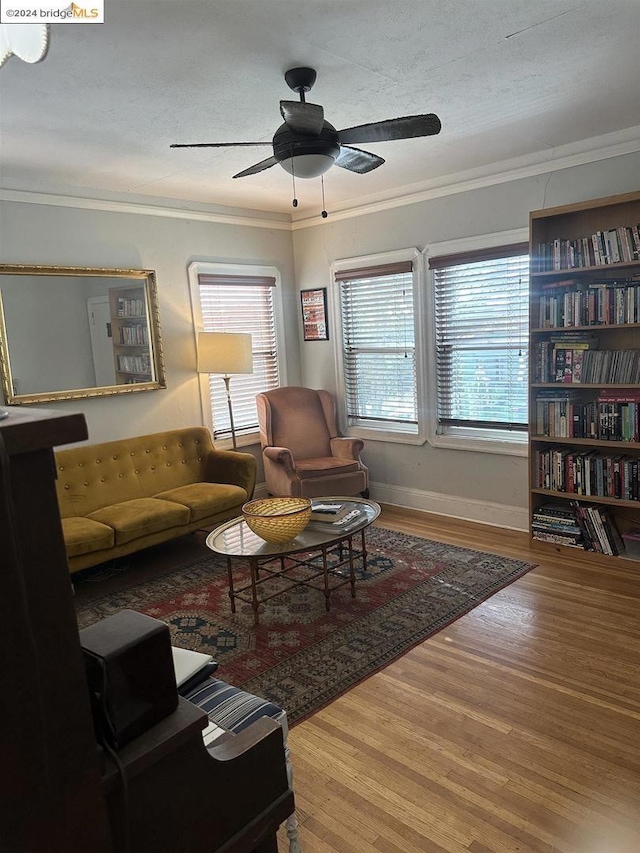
(378, 344)
(482, 339)
(237, 303)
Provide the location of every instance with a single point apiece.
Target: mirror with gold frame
(67, 333)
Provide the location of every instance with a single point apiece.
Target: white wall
(476, 485)
(67, 236)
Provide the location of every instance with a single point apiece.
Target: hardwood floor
(517, 728)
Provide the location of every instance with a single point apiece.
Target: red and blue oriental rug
(300, 656)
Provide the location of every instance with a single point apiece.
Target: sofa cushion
(84, 536)
(327, 464)
(205, 499)
(141, 517)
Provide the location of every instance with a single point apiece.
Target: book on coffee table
(350, 519)
(328, 511)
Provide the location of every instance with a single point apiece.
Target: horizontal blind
(379, 344)
(482, 320)
(241, 304)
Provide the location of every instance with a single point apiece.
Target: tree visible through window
(482, 345)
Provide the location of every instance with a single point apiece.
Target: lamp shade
(224, 352)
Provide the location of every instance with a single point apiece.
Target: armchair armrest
(229, 466)
(347, 448)
(282, 456)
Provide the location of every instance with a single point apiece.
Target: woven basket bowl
(277, 519)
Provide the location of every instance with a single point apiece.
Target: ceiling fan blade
(216, 144)
(358, 161)
(258, 167)
(301, 117)
(405, 127)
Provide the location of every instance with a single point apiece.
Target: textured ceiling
(508, 78)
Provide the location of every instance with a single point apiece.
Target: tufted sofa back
(93, 476)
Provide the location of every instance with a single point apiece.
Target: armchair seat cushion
(205, 499)
(84, 536)
(326, 464)
(140, 517)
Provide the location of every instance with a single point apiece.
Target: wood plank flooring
(517, 728)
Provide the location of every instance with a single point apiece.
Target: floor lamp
(225, 353)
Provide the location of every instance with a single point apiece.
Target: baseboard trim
(466, 509)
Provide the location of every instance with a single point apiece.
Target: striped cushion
(231, 708)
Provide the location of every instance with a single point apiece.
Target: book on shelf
(557, 523)
(599, 529)
(329, 512)
(609, 246)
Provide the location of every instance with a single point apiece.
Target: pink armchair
(302, 452)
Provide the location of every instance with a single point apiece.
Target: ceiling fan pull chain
(324, 211)
(293, 178)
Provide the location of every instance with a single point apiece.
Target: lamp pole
(226, 379)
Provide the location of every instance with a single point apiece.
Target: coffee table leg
(253, 569)
(231, 595)
(364, 552)
(325, 572)
(352, 573)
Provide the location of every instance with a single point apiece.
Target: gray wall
(484, 477)
(51, 235)
(43, 234)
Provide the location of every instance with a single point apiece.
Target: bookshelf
(130, 335)
(584, 378)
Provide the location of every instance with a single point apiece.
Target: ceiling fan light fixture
(308, 165)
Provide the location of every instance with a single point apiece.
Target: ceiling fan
(306, 145)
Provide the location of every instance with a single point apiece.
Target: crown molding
(142, 209)
(500, 173)
(564, 157)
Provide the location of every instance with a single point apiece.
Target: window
(481, 342)
(238, 302)
(378, 343)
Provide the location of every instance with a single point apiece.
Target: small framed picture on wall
(314, 314)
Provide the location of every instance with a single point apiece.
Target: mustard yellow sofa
(121, 496)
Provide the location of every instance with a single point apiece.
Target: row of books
(567, 303)
(134, 335)
(134, 363)
(614, 246)
(130, 307)
(609, 418)
(591, 527)
(595, 474)
(573, 364)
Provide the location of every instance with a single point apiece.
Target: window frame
(198, 268)
(393, 432)
(506, 442)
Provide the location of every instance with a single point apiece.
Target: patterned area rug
(301, 656)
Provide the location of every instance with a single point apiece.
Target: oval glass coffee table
(322, 557)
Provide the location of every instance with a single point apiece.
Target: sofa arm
(229, 466)
(282, 456)
(347, 448)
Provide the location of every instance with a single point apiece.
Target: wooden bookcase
(584, 307)
(130, 335)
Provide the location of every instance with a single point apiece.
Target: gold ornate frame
(145, 277)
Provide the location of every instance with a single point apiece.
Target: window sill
(481, 444)
(248, 440)
(396, 436)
